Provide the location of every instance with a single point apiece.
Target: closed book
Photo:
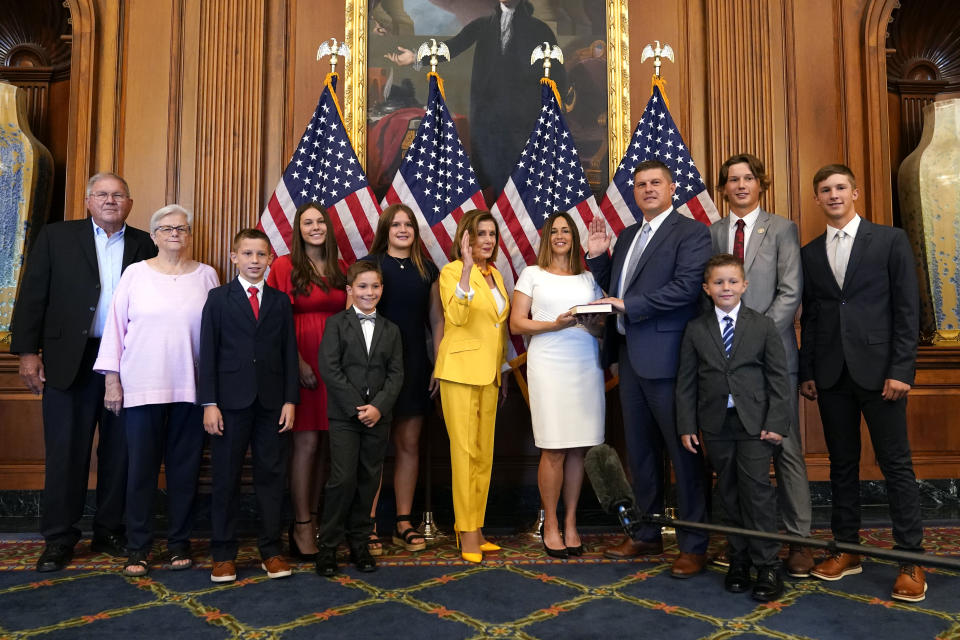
(583, 309)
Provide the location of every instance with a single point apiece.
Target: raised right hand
(598, 240)
(31, 372)
(466, 251)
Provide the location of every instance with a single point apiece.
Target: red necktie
(738, 239)
(254, 302)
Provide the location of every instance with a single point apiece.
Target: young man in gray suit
(770, 250)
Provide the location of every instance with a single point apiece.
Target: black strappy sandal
(137, 559)
(405, 538)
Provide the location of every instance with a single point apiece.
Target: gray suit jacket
(772, 263)
(755, 373)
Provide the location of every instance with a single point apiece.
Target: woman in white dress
(563, 373)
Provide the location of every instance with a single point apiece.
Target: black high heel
(294, 548)
(561, 554)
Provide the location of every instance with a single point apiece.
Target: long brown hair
(545, 254)
(468, 224)
(381, 240)
(304, 276)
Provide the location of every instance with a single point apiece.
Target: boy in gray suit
(770, 250)
(362, 365)
(733, 385)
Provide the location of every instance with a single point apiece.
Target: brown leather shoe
(911, 584)
(799, 562)
(688, 564)
(837, 565)
(629, 548)
(276, 567)
(225, 571)
(721, 558)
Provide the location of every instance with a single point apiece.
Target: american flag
(548, 178)
(657, 138)
(324, 169)
(435, 178)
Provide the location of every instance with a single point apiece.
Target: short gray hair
(163, 212)
(106, 174)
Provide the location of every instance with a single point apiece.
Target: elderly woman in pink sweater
(148, 354)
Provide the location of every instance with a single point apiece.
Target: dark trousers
(650, 426)
(71, 417)
(255, 427)
(356, 459)
(840, 408)
(171, 434)
(749, 500)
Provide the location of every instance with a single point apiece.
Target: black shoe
(769, 585)
(54, 557)
(294, 547)
(738, 577)
(575, 551)
(563, 553)
(361, 558)
(326, 561)
(111, 544)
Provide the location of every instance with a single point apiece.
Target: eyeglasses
(166, 229)
(101, 196)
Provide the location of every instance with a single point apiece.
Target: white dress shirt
(838, 252)
(110, 264)
(721, 314)
(366, 327)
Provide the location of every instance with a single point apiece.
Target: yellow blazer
(474, 344)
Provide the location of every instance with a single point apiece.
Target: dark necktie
(727, 334)
(254, 302)
(738, 239)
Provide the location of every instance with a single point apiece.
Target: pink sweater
(152, 335)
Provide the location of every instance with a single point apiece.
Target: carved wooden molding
(80, 128)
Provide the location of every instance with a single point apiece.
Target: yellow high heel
(489, 546)
(473, 558)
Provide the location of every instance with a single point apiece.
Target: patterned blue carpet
(516, 593)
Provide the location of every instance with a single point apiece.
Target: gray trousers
(793, 487)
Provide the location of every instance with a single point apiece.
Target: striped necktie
(727, 334)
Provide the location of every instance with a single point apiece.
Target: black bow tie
(363, 316)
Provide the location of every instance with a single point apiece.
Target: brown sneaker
(799, 561)
(911, 584)
(225, 571)
(837, 565)
(631, 549)
(688, 564)
(276, 567)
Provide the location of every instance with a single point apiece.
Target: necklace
(484, 271)
(400, 261)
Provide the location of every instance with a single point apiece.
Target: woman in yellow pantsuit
(473, 349)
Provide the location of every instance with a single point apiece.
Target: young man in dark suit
(654, 277)
(58, 319)
(361, 363)
(249, 388)
(733, 385)
(858, 352)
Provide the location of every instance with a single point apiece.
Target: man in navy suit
(858, 354)
(248, 386)
(59, 317)
(654, 279)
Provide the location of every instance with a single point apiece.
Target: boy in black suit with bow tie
(361, 364)
(248, 386)
(733, 385)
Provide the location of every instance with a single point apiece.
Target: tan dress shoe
(276, 567)
(688, 564)
(631, 549)
(911, 584)
(223, 571)
(837, 565)
(799, 562)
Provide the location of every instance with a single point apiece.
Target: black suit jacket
(872, 324)
(59, 292)
(756, 373)
(243, 359)
(353, 377)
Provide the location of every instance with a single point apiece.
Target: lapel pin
(760, 229)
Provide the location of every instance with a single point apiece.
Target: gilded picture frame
(618, 124)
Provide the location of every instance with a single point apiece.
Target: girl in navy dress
(411, 300)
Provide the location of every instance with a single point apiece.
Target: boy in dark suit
(248, 386)
(734, 384)
(362, 365)
(858, 354)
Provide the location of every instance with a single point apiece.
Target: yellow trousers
(470, 412)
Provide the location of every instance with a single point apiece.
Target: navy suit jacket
(243, 359)
(59, 293)
(871, 324)
(662, 297)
